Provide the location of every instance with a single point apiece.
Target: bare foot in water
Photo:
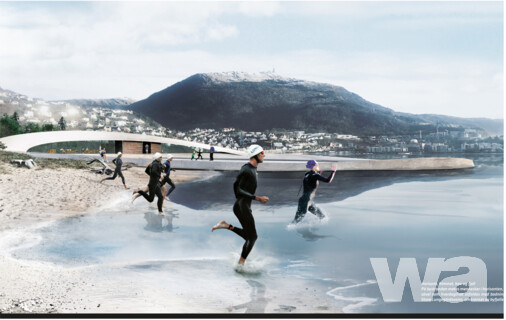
(220, 225)
(136, 191)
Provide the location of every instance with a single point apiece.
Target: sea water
(314, 266)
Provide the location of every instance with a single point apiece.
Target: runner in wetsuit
(244, 188)
(117, 172)
(310, 184)
(154, 182)
(166, 178)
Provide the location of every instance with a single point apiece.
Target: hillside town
(465, 140)
(39, 113)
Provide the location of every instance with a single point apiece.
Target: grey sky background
(417, 57)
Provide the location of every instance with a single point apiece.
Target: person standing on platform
(211, 153)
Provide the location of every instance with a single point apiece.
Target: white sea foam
(255, 264)
(358, 302)
(309, 221)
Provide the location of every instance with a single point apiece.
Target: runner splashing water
(244, 188)
(310, 184)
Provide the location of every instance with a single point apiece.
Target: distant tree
(32, 127)
(8, 126)
(15, 116)
(62, 123)
(49, 127)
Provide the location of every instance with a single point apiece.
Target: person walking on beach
(245, 186)
(310, 184)
(155, 172)
(200, 154)
(211, 153)
(193, 154)
(117, 172)
(166, 178)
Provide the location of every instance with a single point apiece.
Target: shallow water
(317, 266)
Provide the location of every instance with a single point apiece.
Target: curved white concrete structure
(23, 142)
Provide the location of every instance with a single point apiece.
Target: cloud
(259, 9)
(113, 49)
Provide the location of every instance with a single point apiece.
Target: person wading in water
(245, 186)
(310, 184)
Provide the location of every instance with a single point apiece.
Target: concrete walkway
(286, 162)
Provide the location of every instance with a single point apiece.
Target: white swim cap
(119, 153)
(157, 155)
(169, 156)
(254, 149)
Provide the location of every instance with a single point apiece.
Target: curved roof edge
(23, 142)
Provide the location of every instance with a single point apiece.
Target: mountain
(116, 103)
(256, 102)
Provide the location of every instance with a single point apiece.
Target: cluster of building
(116, 120)
(465, 140)
(41, 112)
(282, 141)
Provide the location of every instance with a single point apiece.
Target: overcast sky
(417, 57)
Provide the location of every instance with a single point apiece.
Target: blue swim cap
(310, 164)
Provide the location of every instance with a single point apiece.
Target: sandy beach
(31, 198)
(40, 195)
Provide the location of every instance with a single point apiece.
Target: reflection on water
(318, 264)
(310, 234)
(160, 222)
(282, 187)
(257, 302)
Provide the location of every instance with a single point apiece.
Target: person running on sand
(155, 171)
(310, 184)
(166, 177)
(193, 154)
(244, 188)
(117, 172)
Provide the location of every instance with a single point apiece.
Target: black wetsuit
(310, 184)
(244, 188)
(154, 184)
(167, 178)
(117, 172)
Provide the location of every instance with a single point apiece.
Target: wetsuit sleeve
(156, 170)
(114, 161)
(323, 179)
(243, 179)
